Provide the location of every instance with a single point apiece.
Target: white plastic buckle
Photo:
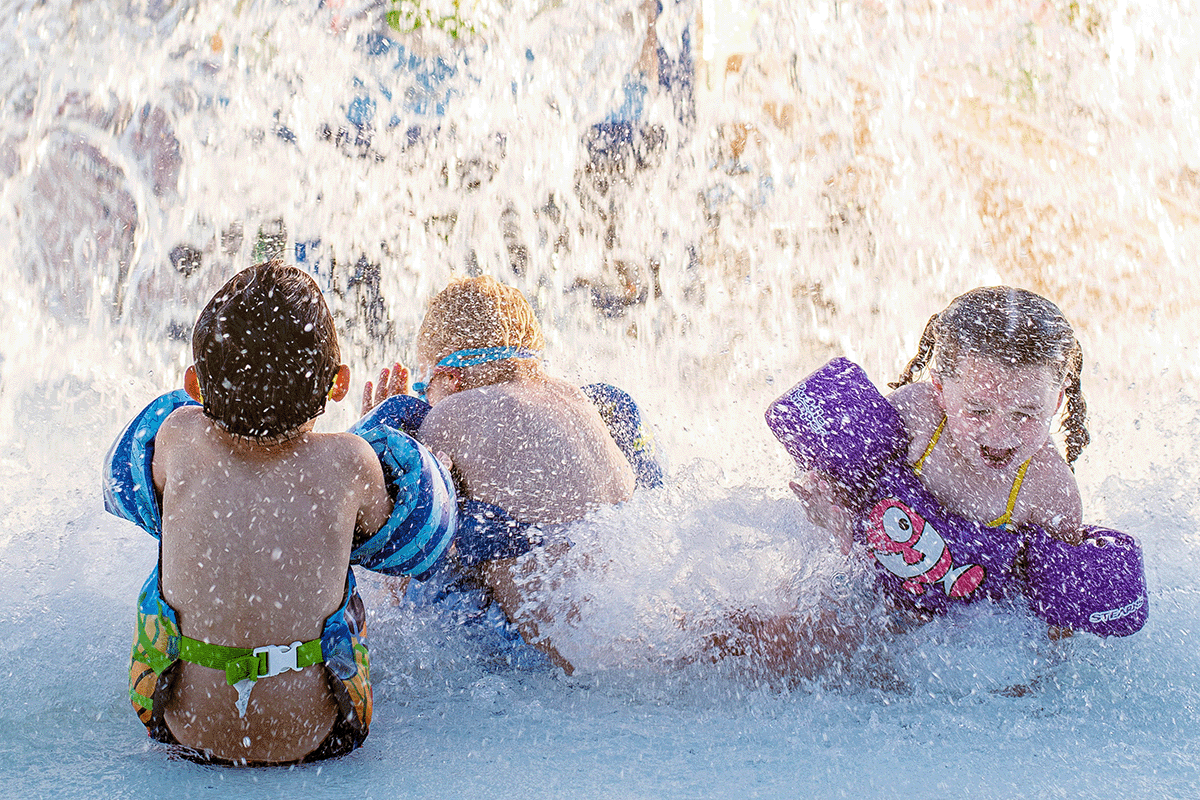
(280, 658)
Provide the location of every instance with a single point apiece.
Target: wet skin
(998, 416)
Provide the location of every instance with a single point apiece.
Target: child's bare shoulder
(347, 451)
(179, 432)
(1051, 495)
(175, 435)
(918, 407)
(348, 461)
(183, 418)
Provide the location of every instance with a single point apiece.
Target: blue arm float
(402, 412)
(128, 480)
(624, 420)
(419, 530)
(424, 516)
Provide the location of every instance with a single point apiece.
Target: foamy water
(856, 169)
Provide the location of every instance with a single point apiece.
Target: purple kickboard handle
(1098, 586)
(837, 422)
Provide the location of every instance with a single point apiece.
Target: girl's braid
(921, 359)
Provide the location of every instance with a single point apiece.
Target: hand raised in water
(824, 507)
(391, 382)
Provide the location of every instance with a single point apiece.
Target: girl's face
(998, 416)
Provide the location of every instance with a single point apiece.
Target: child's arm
(168, 442)
(825, 506)
(421, 517)
(163, 446)
(826, 502)
(512, 586)
(1051, 497)
(375, 505)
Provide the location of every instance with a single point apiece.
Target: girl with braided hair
(951, 487)
(1001, 362)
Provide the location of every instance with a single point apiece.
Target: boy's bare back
(534, 446)
(255, 545)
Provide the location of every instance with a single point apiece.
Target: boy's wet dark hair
(266, 352)
(1017, 328)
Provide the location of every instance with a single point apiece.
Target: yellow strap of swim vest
(937, 434)
(1006, 517)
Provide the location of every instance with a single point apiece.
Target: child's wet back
(519, 438)
(536, 448)
(256, 541)
(259, 516)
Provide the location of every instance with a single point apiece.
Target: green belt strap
(244, 663)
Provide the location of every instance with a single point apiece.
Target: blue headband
(471, 357)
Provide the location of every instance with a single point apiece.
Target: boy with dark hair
(266, 353)
(250, 645)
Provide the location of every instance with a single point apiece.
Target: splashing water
(829, 176)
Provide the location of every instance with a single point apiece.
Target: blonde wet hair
(479, 312)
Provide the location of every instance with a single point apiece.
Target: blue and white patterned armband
(128, 480)
(424, 514)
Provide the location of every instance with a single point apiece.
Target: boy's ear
(191, 384)
(341, 384)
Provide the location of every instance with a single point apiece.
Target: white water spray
(849, 169)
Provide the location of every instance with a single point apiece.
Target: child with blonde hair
(518, 438)
(530, 453)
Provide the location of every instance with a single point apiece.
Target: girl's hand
(1065, 531)
(824, 507)
(391, 383)
(1070, 536)
(1057, 633)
